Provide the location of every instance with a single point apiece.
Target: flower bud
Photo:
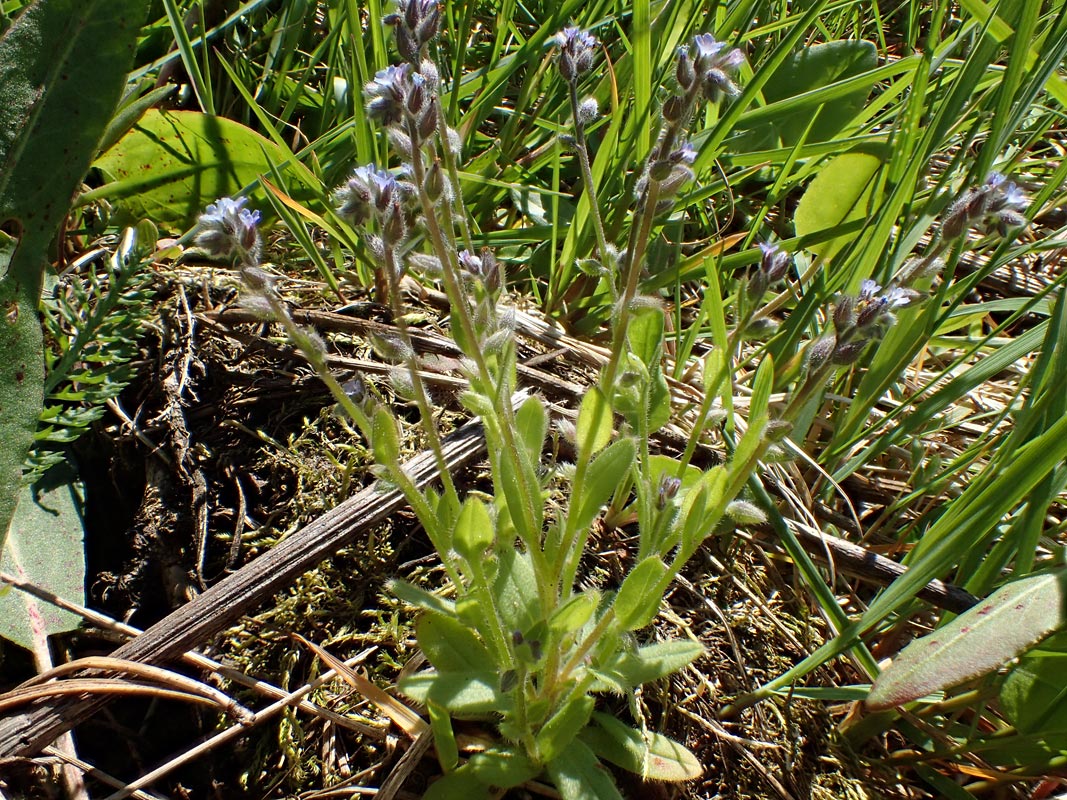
(668, 488)
(845, 314)
(434, 182)
(427, 120)
(674, 108)
(848, 352)
(588, 111)
(745, 513)
(819, 352)
(777, 430)
(684, 71)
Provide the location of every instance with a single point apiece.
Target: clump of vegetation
(781, 248)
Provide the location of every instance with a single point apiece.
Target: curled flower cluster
(709, 69)
(995, 205)
(417, 23)
(672, 172)
(228, 230)
(576, 48)
(774, 263)
(858, 321)
(405, 102)
(704, 71)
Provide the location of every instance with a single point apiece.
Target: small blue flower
(387, 94)
(713, 65)
(774, 262)
(228, 230)
(868, 289)
(374, 192)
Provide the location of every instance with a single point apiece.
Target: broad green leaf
(515, 591)
(573, 614)
(474, 530)
(653, 756)
(1034, 695)
(462, 694)
(420, 598)
(594, 426)
(63, 64)
(978, 641)
(462, 783)
(660, 465)
(579, 775)
(449, 644)
(703, 507)
(648, 663)
(173, 163)
(845, 190)
(505, 767)
(795, 93)
(558, 733)
(44, 547)
(639, 596)
(531, 420)
(645, 335)
(606, 472)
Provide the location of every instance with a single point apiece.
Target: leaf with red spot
(985, 638)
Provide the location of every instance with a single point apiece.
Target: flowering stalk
(702, 77)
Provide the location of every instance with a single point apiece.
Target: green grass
(956, 91)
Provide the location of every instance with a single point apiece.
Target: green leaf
(579, 775)
(793, 96)
(463, 694)
(44, 546)
(703, 506)
(978, 641)
(845, 190)
(645, 335)
(639, 598)
(420, 598)
(474, 530)
(531, 421)
(515, 591)
(444, 738)
(173, 163)
(594, 426)
(1034, 696)
(449, 644)
(653, 756)
(502, 766)
(460, 783)
(558, 733)
(659, 401)
(384, 438)
(63, 64)
(606, 472)
(573, 614)
(761, 388)
(648, 663)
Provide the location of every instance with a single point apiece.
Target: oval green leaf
(173, 163)
(845, 191)
(639, 596)
(650, 755)
(978, 641)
